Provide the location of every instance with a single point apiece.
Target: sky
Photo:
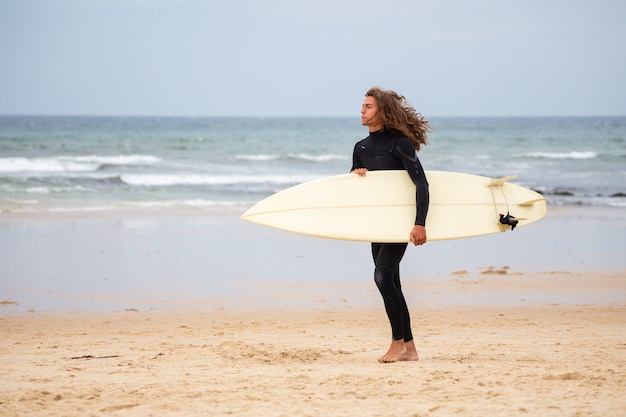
(316, 58)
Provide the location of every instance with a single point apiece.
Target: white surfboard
(380, 207)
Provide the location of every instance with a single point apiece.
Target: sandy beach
(195, 315)
(548, 360)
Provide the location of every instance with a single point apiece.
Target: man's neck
(376, 128)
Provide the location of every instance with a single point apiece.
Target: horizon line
(296, 116)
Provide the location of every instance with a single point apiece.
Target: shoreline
(487, 288)
(235, 211)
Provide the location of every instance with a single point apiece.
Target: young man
(396, 133)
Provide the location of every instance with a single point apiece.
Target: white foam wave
(318, 158)
(38, 190)
(195, 203)
(41, 189)
(562, 155)
(36, 206)
(84, 163)
(296, 156)
(255, 158)
(164, 180)
(19, 164)
(115, 160)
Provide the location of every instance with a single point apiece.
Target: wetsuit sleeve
(413, 166)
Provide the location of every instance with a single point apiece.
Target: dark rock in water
(564, 193)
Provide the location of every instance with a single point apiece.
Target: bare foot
(410, 354)
(394, 353)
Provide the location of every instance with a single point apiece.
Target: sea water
(121, 164)
(65, 164)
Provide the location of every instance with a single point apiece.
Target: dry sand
(539, 360)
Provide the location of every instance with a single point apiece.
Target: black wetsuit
(383, 151)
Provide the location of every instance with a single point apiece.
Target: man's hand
(418, 235)
(360, 171)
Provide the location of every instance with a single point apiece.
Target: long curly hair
(400, 117)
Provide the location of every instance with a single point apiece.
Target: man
(396, 133)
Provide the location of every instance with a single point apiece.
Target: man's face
(369, 114)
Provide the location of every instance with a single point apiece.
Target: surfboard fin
(531, 202)
(495, 182)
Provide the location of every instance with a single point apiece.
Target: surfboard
(380, 207)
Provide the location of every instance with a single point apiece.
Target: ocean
(103, 164)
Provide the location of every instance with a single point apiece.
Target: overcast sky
(313, 58)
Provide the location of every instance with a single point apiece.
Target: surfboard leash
(504, 220)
